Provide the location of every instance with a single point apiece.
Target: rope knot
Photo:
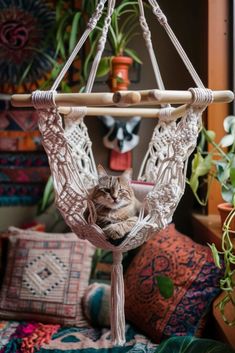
(43, 99)
(92, 23)
(146, 31)
(202, 97)
(165, 113)
(77, 113)
(160, 15)
(94, 19)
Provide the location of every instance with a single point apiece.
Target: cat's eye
(105, 189)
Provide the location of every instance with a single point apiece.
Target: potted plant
(219, 164)
(122, 30)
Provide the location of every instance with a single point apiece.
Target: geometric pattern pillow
(195, 277)
(45, 278)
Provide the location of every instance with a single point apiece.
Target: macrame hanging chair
(69, 151)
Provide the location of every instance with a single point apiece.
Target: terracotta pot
(119, 78)
(224, 210)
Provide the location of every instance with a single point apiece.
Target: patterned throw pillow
(195, 277)
(46, 277)
(96, 304)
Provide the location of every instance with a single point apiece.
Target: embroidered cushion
(195, 277)
(46, 277)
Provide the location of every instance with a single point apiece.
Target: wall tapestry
(23, 164)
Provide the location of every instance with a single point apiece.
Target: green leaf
(201, 166)
(25, 73)
(190, 344)
(133, 54)
(48, 195)
(104, 66)
(228, 122)
(74, 32)
(227, 193)
(215, 255)
(209, 135)
(227, 140)
(166, 286)
(194, 182)
(232, 176)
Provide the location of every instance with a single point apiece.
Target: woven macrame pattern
(73, 172)
(165, 164)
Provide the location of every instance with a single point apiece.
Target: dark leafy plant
(219, 164)
(122, 30)
(192, 345)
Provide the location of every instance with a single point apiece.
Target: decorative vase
(119, 78)
(224, 210)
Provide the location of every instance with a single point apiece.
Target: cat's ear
(127, 174)
(101, 171)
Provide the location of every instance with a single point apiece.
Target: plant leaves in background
(232, 176)
(74, 35)
(104, 66)
(133, 54)
(215, 255)
(192, 345)
(227, 140)
(48, 196)
(229, 123)
(210, 135)
(227, 193)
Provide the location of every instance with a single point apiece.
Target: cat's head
(113, 191)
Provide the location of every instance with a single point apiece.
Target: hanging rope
(147, 37)
(163, 21)
(100, 46)
(90, 27)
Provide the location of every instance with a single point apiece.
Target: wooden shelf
(207, 229)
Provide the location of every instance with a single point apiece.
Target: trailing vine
(227, 283)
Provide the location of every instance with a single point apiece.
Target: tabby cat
(116, 205)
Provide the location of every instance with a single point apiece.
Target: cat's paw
(112, 233)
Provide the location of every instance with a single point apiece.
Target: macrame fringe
(117, 301)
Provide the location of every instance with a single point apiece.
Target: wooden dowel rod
(68, 99)
(125, 97)
(156, 96)
(122, 98)
(127, 112)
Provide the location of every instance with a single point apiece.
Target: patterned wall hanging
(25, 46)
(23, 163)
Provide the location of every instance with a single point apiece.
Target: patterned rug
(38, 338)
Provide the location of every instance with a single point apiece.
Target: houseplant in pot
(219, 164)
(122, 30)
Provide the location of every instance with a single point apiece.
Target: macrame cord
(73, 167)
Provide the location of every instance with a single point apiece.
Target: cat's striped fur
(116, 205)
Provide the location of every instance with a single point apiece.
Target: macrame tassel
(117, 301)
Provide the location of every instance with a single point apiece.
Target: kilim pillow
(195, 277)
(46, 277)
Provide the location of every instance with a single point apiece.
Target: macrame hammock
(73, 168)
